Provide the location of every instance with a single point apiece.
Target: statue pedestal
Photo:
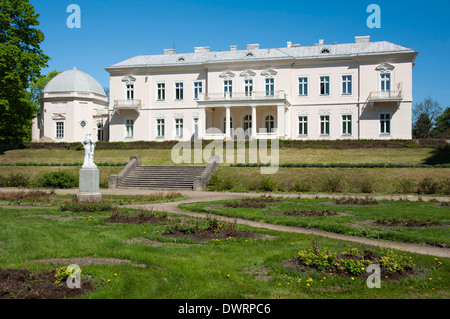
(89, 185)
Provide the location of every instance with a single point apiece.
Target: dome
(74, 81)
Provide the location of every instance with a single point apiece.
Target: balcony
(123, 105)
(243, 96)
(385, 96)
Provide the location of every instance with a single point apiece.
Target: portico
(231, 118)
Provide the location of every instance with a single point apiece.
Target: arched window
(100, 132)
(270, 124)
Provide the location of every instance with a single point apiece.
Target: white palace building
(359, 90)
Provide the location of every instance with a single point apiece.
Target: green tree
(423, 126)
(21, 60)
(442, 128)
(428, 106)
(37, 86)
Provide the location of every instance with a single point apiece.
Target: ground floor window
(247, 123)
(59, 129)
(225, 124)
(129, 128)
(178, 128)
(99, 132)
(325, 125)
(302, 125)
(385, 123)
(346, 125)
(270, 124)
(160, 128)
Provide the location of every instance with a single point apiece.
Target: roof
(74, 81)
(293, 52)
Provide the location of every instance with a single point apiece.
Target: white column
(254, 122)
(227, 122)
(281, 119)
(201, 123)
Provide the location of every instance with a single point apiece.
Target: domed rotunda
(73, 103)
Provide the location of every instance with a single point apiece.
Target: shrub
(268, 185)
(334, 185)
(15, 180)
(445, 185)
(406, 186)
(428, 186)
(76, 206)
(59, 179)
(366, 186)
(301, 186)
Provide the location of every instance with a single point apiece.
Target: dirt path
(197, 196)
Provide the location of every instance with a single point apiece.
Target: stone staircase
(136, 176)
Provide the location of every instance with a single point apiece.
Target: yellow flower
(115, 275)
(308, 285)
(109, 280)
(430, 278)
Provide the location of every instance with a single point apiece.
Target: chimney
(169, 51)
(252, 46)
(321, 41)
(233, 47)
(201, 49)
(292, 45)
(365, 39)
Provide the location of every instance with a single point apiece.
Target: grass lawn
(287, 155)
(349, 219)
(181, 268)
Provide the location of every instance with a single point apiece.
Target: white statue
(89, 147)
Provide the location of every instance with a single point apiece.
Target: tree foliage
(422, 127)
(21, 60)
(442, 128)
(37, 86)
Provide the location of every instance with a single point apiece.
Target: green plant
(61, 275)
(59, 179)
(406, 186)
(366, 186)
(428, 186)
(268, 185)
(76, 206)
(15, 180)
(301, 186)
(334, 184)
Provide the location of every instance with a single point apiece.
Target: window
(247, 123)
(324, 85)
(178, 128)
(99, 132)
(270, 124)
(161, 91)
(228, 88)
(325, 125)
(179, 91)
(385, 82)
(130, 91)
(198, 89)
(347, 85)
(303, 126)
(346, 125)
(303, 86)
(248, 85)
(385, 124)
(59, 130)
(129, 128)
(83, 124)
(225, 124)
(160, 128)
(270, 87)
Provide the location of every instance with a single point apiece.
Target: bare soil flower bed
(305, 213)
(257, 202)
(141, 218)
(393, 222)
(22, 284)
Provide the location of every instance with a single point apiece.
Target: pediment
(59, 116)
(227, 74)
(385, 67)
(269, 72)
(129, 79)
(248, 74)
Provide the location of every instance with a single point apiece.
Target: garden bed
(22, 284)
(141, 218)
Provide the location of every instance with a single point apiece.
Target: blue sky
(112, 31)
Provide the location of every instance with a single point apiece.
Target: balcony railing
(385, 96)
(240, 96)
(127, 105)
